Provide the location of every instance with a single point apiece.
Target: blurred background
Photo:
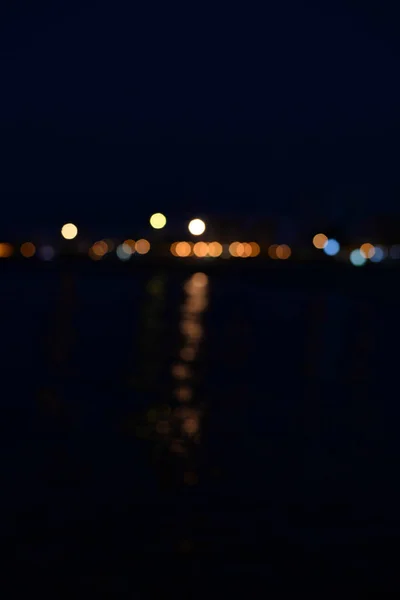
(175, 417)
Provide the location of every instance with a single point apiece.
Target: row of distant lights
(359, 256)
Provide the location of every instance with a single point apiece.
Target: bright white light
(357, 259)
(197, 227)
(331, 247)
(69, 231)
(158, 221)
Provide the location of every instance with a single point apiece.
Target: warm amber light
(272, 251)
(199, 280)
(255, 249)
(283, 251)
(215, 249)
(172, 249)
(6, 250)
(246, 252)
(28, 249)
(69, 231)
(158, 221)
(233, 248)
(131, 244)
(200, 249)
(197, 227)
(99, 249)
(320, 240)
(367, 250)
(142, 246)
(183, 249)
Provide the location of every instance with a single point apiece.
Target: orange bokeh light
(6, 250)
(142, 246)
(272, 251)
(283, 252)
(215, 249)
(131, 244)
(367, 250)
(320, 240)
(255, 249)
(183, 249)
(200, 249)
(99, 249)
(28, 249)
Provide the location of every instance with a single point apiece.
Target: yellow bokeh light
(283, 252)
(197, 227)
(28, 249)
(320, 240)
(69, 231)
(6, 250)
(183, 249)
(367, 250)
(158, 221)
(200, 249)
(215, 249)
(142, 246)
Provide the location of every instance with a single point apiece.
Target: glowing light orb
(332, 247)
(357, 259)
(320, 240)
(158, 221)
(197, 227)
(69, 231)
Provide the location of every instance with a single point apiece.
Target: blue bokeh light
(357, 259)
(379, 255)
(331, 247)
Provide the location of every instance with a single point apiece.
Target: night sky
(112, 110)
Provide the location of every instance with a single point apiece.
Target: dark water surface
(171, 429)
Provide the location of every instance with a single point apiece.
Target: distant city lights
(158, 221)
(332, 247)
(197, 227)
(69, 231)
(357, 259)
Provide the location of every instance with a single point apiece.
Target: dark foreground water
(177, 433)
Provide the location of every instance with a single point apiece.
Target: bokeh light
(183, 249)
(131, 244)
(200, 249)
(69, 231)
(28, 249)
(357, 259)
(272, 251)
(6, 250)
(124, 251)
(233, 248)
(199, 280)
(197, 227)
(46, 253)
(367, 250)
(255, 249)
(99, 249)
(320, 240)
(283, 252)
(214, 249)
(379, 254)
(158, 221)
(331, 247)
(142, 246)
